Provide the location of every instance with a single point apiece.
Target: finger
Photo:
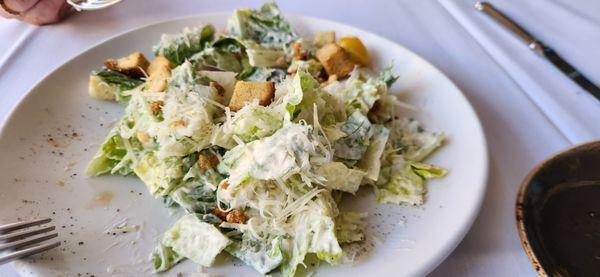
(46, 11)
(20, 5)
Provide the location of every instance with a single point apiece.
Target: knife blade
(534, 44)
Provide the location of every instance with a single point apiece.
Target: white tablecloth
(529, 110)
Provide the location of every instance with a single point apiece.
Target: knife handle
(501, 18)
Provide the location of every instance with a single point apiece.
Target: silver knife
(540, 48)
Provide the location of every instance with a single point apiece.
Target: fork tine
(23, 224)
(27, 233)
(28, 252)
(26, 242)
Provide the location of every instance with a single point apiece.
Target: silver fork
(21, 241)
(89, 5)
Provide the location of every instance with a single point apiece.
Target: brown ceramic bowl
(558, 213)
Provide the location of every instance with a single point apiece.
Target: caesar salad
(258, 134)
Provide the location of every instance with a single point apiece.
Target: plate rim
(448, 247)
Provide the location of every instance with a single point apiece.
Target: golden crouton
(207, 161)
(159, 72)
(220, 213)
(133, 65)
(245, 92)
(299, 53)
(335, 60)
(324, 38)
(236, 216)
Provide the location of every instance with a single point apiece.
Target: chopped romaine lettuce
(163, 258)
(371, 160)
(265, 26)
(358, 132)
(260, 56)
(359, 91)
(187, 112)
(313, 232)
(118, 83)
(226, 53)
(312, 66)
(411, 140)
(403, 182)
(161, 176)
(387, 77)
(263, 255)
(262, 74)
(300, 95)
(286, 152)
(349, 227)
(251, 123)
(225, 79)
(195, 197)
(339, 177)
(179, 47)
(196, 240)
(112, 154)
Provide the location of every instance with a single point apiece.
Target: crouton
(133, 65)
(220, 213)
(299, 53)
(245, 92)
(99, 89)
(207, 161)
(330, 79)
(159, 72)
(335, 60)
(324, 38)
(236, 216)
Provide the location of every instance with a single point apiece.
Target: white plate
(44, 178)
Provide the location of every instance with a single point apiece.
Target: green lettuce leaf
(403, 182)
(358, 132)
(265, 26)
(251, 123)
(119, 83)
(179, 47)
(262, 74)
(161, 176)
(284, 153)
(359, 91)
(163, 258)
(339, 177)
(387, 76)
(411, 140)
(114, 156)
(349, 227)
(263, 255)
(371, 160)
(196, 240)
(226, 53)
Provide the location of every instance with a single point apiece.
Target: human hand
(38, 12)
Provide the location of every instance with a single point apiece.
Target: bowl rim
(519, 211)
